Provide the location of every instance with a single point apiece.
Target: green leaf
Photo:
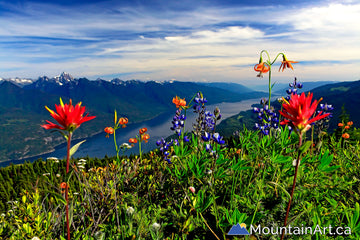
(71, 213)
(207, 203)
(330, 169)
(272, 85)
(57, 196)
(325, 161)
(187, 223)
(221, 160)
(80, 234)
(281, 159)
(305, 147)
(356, 215)
(75, 147)
(284, 190)
(235, 216)
(220, 173)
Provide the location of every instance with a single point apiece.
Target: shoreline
(148, 122)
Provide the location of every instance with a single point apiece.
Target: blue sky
(185, 40)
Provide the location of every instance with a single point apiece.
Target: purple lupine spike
(208, 147)
(206, 137)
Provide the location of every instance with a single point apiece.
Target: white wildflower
(294, 162)
(156, 226)
(130, 211)
(174, 156)
(125, 146)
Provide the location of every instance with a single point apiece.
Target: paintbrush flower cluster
(299, 112)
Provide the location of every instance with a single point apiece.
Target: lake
(99, 146)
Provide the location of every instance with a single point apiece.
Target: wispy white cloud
(222, 36)
(205, 42)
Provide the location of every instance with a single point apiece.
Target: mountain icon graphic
(238, 230)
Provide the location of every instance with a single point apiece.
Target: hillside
(280, 88)
(22, 108)
(345, 94)
(337, 94)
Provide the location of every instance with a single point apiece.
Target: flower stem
(67, 185)
(269, 87)
(140, 146)
(116, 147)
(183, 134)
(293, 186)
(68, 152)
(207, 225)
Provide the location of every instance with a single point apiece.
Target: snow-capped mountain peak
(64, 77)
(18, 81)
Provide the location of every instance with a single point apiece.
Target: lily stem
(116, 147)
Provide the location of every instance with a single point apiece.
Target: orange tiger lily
(286, 64)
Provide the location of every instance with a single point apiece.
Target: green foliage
(246, 182)
(341, 89)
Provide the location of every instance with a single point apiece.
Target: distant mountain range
(339, 94)
(18, 81)
(22, 104)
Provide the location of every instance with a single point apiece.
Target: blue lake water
(99, 146)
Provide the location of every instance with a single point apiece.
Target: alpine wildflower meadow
(288, 178)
